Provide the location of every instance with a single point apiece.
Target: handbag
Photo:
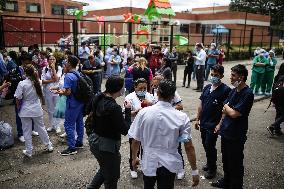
(60, 107)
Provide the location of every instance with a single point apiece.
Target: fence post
(229, 44)
(261, 43)
(41, 37)
(203, 35)
(188, 36)
(104, 38)
(251, 41)
(75, 36)
(271, 38)
(130, 33)
(172, 38)
(2, 38)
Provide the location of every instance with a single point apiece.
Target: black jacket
(108, 119)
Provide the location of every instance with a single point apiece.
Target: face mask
(122, 91)
(214, 80)
(141, 93)
(236, 84)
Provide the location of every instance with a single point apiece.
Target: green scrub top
(259, 69)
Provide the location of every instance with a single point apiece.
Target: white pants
(27, 131)
(50, 100)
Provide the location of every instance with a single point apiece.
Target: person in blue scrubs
(233, 129)
(74, 108)
(209, 115)
(212, 55)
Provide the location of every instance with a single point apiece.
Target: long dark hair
(31, 73)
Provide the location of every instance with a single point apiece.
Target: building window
(11, 6)
(57, 9)
(71, 10)
(184, 28)
(33, 8)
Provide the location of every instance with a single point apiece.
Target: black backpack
(84, 91)
(278, 91)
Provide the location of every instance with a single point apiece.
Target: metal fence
(47, 32)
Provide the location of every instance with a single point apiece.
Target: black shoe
(68, 152)
(80, 146)
(183, 85)
(199, 90)
(278, 133)
(205, 168)
(210, 174)
(219, 184)
(196, 89)
(270, 129)
(187, 86)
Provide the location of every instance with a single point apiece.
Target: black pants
(174, 70)
(180, 152)
(109, 171)
(279, 117)
(165, 179)
(200, 76)
(187, 73)
(232, 157)
(130, 157)
(209, 139)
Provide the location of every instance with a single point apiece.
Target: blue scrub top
(236, 128)
(70, 82)
(212, 105)
(212, 60)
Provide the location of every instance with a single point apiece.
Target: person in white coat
(50, 77)
(138, 99)
(28, 100)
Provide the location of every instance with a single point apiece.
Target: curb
(256, 99)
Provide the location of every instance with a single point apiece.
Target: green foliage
(275, 8)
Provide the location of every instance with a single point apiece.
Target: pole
(271, 38)
(104, 37)
(130, 7)
(172, 38)
(130, 33)
(245, 27)
(251, 41)
(63, 13)
(261, 38)
(188, 36)
(2, 42)
(75, 39)
(41, 37)
(229, 44)
(203, 35)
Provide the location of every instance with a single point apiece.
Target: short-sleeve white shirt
(30, 102)
(158, 128)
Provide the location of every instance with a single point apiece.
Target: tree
(274, 8)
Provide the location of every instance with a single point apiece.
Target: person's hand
(135, 163)
(127, 104)
(195, 180)
(6, 84)
(196, 125)
(217, 128)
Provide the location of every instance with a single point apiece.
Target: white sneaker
(34, 133)
(63, 135)
(22, 139)
(49, 129)
(58, 130)
(134, 174)
(26, 153)
(49, 147)
(180, 175)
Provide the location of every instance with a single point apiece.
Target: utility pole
(245, 27)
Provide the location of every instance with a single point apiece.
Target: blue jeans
(74, 120)
(97, 80)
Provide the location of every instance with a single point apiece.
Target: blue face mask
(214, 80)
(141, 93)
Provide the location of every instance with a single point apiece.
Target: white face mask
(236, 83)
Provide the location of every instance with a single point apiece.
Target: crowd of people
(151, 115)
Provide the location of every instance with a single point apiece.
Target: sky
(177, 5)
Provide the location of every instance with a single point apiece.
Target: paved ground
(264, 167)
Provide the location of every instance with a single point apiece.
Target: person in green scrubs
(258, 71)
(267, 81)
